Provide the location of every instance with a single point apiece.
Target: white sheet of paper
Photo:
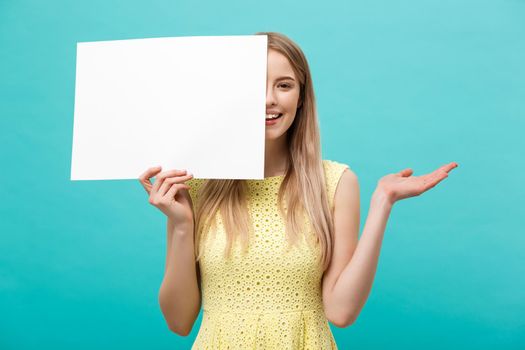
(196, 103)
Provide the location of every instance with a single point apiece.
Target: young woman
(275, 259)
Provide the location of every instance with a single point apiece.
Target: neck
(275, 157)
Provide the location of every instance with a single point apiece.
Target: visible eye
(285, 85)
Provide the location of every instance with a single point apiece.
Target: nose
(270, 96)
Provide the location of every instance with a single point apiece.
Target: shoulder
(195, 185)
(341, 180)
(332, 167)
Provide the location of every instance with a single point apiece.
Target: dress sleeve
(333, 172)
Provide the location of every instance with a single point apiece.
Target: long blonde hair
(303, 186)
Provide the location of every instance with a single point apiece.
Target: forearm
(353, 286)
(179, 294)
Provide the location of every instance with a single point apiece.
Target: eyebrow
(284, 78)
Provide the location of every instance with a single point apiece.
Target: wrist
(382, 199)
(183, 230)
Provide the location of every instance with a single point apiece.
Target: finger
(144, 178)
(406, 172)
(167, 183)
(447, 167)
(174, 189)
(162, 176)
(432, 179)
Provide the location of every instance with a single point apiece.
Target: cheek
(290, 103)
(289, 120)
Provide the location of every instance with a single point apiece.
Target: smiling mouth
(273, 116)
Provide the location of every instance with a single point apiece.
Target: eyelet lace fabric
(270, 297)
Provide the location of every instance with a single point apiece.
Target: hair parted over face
(303, 188)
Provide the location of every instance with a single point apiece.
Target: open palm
(402, 185)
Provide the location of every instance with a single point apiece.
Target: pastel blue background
(399, 84)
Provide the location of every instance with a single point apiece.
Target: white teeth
(272, 116)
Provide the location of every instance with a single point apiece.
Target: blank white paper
(194, 103)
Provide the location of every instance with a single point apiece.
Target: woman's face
(282, 95)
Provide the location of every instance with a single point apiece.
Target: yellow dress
(269, 298)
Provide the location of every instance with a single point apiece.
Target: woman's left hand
(401, 185)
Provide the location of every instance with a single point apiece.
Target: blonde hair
(303, 186)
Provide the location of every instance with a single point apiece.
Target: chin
(273, 134)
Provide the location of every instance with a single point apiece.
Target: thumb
(406, 172)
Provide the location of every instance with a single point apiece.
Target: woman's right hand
(170, 194)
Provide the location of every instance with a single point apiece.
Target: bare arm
(353, 286)
(348, 291)
(179, 295)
